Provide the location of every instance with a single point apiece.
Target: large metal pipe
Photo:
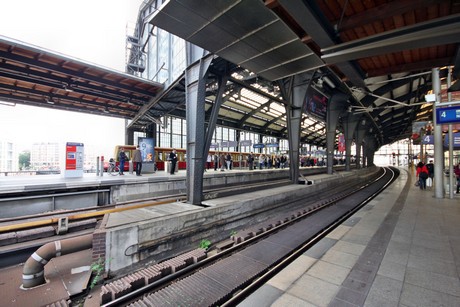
(33, 273)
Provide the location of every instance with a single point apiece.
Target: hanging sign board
(448, 115)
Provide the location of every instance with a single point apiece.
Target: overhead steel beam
(409, 67)
(456, 71)
(386, 10)
(431, 33)
(307, 18)
(155, 100)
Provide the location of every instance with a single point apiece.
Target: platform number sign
(448, 115)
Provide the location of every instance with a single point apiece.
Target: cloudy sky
(90, 30)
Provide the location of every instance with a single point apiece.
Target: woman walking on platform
(422, 174)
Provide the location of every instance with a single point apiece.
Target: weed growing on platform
(97, 268)
(205, 244)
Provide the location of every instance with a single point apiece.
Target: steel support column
(129, 136)
(350, 124)
(335, 108)
(438, 147)
(369, 150)
(360, 134)
(195, 83)
(211, 127)
(294, 91)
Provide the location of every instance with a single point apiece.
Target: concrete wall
(155, 186)
(163, 237)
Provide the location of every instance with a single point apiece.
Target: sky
(90, 30)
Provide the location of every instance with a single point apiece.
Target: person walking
(422, 174)
(430, 168)
(137, 159)
(173, 159)
(122, 158)
(457, 175)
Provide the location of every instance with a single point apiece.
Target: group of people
(276, 161)
(224, 160)
(137, 159)
(425, 172)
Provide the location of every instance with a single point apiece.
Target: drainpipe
(33, 273)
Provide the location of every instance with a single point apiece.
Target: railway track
(27, 233)
(257, 254)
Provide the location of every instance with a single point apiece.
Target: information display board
(74, 155)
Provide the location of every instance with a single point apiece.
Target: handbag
(429, 182)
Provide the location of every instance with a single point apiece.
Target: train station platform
(46, 193)
(401, 249)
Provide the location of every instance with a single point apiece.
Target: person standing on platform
(216, 161)
(228, 160)
(222, 162)
(137, 158)
(208, 162)
(122, 158)
(173, 159)
(251, 161)
(422, 173)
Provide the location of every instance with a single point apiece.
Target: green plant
(233, 232)
(97, 268)
(205, 244)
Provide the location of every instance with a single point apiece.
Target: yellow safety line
(50, 221)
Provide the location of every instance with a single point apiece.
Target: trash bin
(168, 167)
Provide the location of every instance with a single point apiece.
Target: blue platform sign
(447, 115)
(456, 137)
(428, 139)
(260, 145)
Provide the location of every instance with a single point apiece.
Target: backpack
(430, 168)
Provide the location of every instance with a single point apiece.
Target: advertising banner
(147, 148)
(341, 143)
(418, 131)
(316, 104)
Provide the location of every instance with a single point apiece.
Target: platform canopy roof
(380, 53)
(35, 76)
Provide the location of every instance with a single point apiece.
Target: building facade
(9, 161)
(45, 156)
